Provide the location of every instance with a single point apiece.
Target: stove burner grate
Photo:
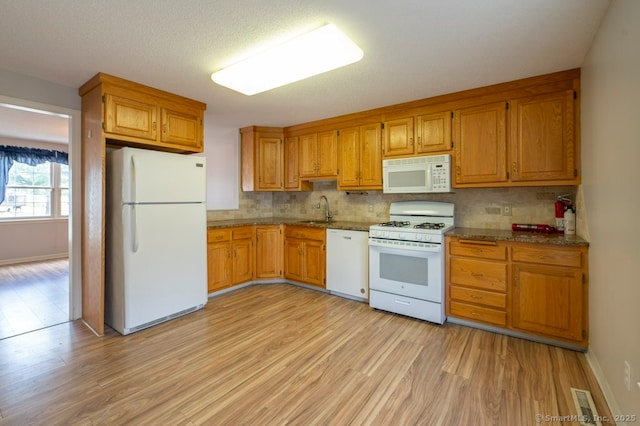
(429, 225)
(395, 223)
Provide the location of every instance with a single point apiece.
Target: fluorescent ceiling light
(313, 53)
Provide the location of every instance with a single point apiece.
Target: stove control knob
(385, 234)
(418, 237)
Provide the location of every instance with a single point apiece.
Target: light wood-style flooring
(280, 354)
(33, 295)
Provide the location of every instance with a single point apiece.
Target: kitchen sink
(313, 222)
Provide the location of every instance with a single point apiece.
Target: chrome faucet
(327, 208)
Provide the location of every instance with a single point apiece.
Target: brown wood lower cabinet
(536, 289)
(297, 254)
(304, 255)
(477, 281)
(268, 251)
(229, 257)
(549, 292)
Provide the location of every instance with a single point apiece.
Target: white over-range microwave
(430, 173)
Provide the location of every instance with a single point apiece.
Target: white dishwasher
(348, 263)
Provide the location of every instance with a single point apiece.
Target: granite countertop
(334, 224)
(521, 237)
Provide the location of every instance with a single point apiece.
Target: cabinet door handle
(514, 167)
(475, 296)
(477, 274)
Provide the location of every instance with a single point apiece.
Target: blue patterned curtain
(30, 156)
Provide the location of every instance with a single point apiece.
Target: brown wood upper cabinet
(141, 116)
(292, 180)
(540, 147)
(360, 157)
(542, 138)
(262, 158)
(417, 135)
(520, 133)
(480, 135)
(319, 155)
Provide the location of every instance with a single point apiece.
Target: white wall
(611, 173)
(222, 150)
(32, 240)
(32, 89)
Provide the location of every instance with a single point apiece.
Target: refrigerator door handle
(132, 181)
(134, 230)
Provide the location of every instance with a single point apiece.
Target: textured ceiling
(413, 48)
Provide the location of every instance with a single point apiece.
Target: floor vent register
(588, 416)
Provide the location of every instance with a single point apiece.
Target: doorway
(63, 274)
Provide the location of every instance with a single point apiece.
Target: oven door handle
(380, 245)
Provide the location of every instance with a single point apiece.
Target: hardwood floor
(279, 354)
(33, 296)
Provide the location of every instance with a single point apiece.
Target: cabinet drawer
(306, 233)
(473, 248)
(480, 297)
(476, 313)
(478, 273)
(217, 235)
(241, 233)
(547, 255)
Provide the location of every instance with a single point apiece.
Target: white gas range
(406, 259)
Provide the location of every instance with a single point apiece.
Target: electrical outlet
(627, 375)
(286, 206)
(370, 208)
(506, 210)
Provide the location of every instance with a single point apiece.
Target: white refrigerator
(156, 237)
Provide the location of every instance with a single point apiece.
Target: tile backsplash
(475, 207)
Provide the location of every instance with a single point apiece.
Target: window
(38, 191)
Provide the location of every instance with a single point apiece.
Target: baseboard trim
(34, 259)
(517, 334)
(604, 384)
(266, 281)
